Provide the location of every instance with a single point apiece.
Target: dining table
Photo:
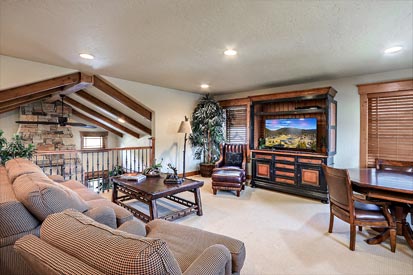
(387, 185)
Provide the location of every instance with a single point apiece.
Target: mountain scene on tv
(291, 133)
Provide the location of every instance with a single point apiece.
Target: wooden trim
(93, 134)
(302, 93)
(103, 135)
(116, 93)
(95, 114)
(315, 155)
(95, 122)
(40, 86)
(383, 87)
(234, 102)
(188, 174)
(100, 104)
(364, 134)
(85, 81)
(388, 94)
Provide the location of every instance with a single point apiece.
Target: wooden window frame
(396, 88)
(103, 135)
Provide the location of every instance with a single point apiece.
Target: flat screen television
(292, 133)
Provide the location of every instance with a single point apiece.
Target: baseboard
(188, 174)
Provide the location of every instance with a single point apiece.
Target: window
(386, 122)
(93, 140)
(236, 124)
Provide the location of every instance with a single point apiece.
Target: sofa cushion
(105, 249)
(195, 240)
(42, 197)
(15, 218)
(19, 166)
(122, 215)
(103, 214)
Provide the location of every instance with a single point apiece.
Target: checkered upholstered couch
(104, 239)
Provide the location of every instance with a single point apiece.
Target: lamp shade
(185, 127)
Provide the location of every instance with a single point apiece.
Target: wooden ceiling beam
(85, 81)
(40, 86)
(95, 114)
(115, 93)
(83, 94)
(7, 109)
(95, 122)
(29, 98)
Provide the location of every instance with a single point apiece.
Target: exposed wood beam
(95, 122)
(29, 98)
(115, 93)
(113, 111)
(85, 81)
(7, 109)
(40, 86)
(95, 114)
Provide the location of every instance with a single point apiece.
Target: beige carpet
(285, 234)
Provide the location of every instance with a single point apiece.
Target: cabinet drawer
(285, 166)
(282, 173)
(310, 177)
(278, 179)
(261, 156)
(311, 161)
(290, 159)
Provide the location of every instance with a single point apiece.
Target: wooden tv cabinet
(294, 171)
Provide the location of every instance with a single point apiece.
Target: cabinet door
(310, 176)
(262, 169)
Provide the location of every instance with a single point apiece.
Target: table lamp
(185, 128)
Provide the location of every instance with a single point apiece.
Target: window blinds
(236, 124)
(390, 126)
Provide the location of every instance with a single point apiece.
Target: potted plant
(14, 149)
(154, 170)
(207, 133)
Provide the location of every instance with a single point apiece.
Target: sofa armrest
(56, 178)
(216, 259)
(44, 258)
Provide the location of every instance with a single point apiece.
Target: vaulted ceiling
(114, 116)
(179, 43)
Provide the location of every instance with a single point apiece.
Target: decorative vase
(206, 169)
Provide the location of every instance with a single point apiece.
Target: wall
(169, 107)
(348, 110)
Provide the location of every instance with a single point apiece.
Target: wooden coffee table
(152, 189)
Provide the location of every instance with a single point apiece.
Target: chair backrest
(234, 148)
(339, 187)
(394, 165)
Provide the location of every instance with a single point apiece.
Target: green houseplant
(14, 149)
(207, 132)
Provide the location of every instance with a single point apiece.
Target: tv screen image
(293, 133)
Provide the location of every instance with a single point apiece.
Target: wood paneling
(263, 170)
(115, 93)
(302, 93)
(110, 109)
(384, 87)
(310, 177)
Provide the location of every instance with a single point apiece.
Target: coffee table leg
(197, 195)
(153, 209)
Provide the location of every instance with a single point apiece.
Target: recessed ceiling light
(86, 56)
(393, 49)
(230, 52)
(121, 120)
(204, 86)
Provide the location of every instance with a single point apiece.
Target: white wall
(348, 109)
(169, 107)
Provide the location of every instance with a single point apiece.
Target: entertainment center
(292, 134)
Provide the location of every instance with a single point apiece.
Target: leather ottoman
(228, 179)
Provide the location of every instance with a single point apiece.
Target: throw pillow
(233, 159)
(42, 197)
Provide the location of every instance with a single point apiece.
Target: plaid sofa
(82, 233)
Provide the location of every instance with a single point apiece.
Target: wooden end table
(152, 189)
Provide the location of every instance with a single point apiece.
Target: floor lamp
(185, 128)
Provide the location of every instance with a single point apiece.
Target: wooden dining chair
(396, 165)
(353, 209)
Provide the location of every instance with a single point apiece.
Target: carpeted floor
(285, 234)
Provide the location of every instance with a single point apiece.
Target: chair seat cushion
(225, 175)
(370, 212)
